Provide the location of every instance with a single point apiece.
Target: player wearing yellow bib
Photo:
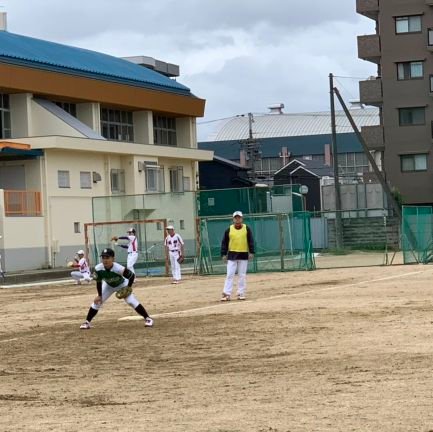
(237, 248)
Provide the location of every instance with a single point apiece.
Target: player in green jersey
(112, 277)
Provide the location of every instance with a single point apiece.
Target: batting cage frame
(152, 255)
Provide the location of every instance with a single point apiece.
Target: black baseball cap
(107, 253)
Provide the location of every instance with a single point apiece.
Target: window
(408, 24)
(117, 181)
(182, 224)
(164, 130)
(85, 180)
(410, 70)
(70, 108)
(431, 83)
(5, 117)
(77, 228)
(176, 179)
(187, 183)
(411, 116)
(117, 125)
(63, 179)
(417, 162)
(159, 226)
(154, 177)
(352, 164)
(430, 37)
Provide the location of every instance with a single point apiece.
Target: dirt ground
(329, 350)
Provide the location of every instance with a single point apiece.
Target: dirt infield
(330, 350)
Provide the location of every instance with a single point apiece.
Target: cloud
(239, 55)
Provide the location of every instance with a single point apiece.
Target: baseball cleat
(241, 297)
(225, 297)
(148, 322)
(85, 325)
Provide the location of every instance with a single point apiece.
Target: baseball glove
(124, 292)
(70, 264)
(181, 259)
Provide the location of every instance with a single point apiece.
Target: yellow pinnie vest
(238, 239)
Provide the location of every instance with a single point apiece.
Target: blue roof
(297, 146)
(37, 53)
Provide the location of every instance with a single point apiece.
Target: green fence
(417, 234)
(282, 243)
(255, 200)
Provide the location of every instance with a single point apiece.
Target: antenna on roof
(276, 108)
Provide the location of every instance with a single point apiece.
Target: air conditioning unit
(96, 177)
(141, 166)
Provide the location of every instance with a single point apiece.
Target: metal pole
(338, 220)
(370, 158)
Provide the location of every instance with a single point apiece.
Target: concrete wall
(21, 115)
(366, 232)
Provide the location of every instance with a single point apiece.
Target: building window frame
(406, 116)
(412, 24)
(63, 179)
(85, 180)
(417, 162)
(407, 70)
(117, 180)
(164, 130)
(117, 125)
(5, 117)
(176, 179)
(70, 108)
(154, 177)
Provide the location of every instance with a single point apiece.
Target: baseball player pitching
(237, 247)
(174, 245)
(111, 278)
(132, 247)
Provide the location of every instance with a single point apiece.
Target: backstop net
(417, 234)
(152, 259)
(282, 243)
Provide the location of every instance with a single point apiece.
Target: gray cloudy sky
(240, 55)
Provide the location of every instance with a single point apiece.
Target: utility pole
(338, 219)
(252, 148)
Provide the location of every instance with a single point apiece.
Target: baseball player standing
(132, 247)
(83, 272)
(174, 245)
(237, 247)
(111, 278)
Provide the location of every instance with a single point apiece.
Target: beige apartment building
(402, 48)
(76, 124)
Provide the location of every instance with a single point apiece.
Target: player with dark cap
(111, 277)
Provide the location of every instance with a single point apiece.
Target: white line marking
(186, 311)
(42, 283)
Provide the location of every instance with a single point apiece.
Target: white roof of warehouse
(284, 125)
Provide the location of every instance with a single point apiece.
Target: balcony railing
(369, 8)
(370, 92)
(369, 48)
(22, 203)
(373, 137)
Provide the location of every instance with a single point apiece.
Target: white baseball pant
(77, 275)
(241, 266)
(175, 266)
(131, 260)
(108, 291)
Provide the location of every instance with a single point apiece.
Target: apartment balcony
(369, 48)
(370, 92)
(370, 8)
(373, 137)
(22, 203)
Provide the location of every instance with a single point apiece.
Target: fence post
(281, 230)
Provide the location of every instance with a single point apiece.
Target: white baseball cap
(80, 252)
(238, 213)
(170, 227)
